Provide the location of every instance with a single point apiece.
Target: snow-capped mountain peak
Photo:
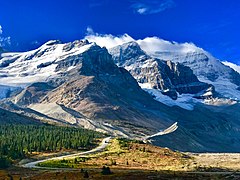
(37, 65)
(207, 68)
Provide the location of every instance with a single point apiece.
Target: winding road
(102, 146)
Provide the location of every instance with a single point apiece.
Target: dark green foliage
(106, 170)
(16, 141)
(4, 162)
(123, 142)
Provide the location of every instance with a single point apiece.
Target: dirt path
(102, 146)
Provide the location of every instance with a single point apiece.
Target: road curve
(102, 146)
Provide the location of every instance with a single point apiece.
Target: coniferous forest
(16, 141)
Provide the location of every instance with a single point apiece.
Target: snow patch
(185, 101)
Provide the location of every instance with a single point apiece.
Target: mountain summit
(168, 77)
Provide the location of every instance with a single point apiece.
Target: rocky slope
(168, 77)
(207, 68)
(7, 117)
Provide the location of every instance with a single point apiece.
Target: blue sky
(211, 24)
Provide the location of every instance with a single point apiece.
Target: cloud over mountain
(148, 44)
(107, 40)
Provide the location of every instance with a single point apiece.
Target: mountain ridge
(82, 83)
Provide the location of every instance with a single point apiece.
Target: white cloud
(107, 40)
(151, 45)
(90, 31)
(151, 7)
(1, 29)
(142, 10)
(154, 44)
(233, 66)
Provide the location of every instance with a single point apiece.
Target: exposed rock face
(208, 69)
(126, 54)
(168, 77)
(96, 59)
(204, 65)
(99, 89)
(32, 94)
(75, 44)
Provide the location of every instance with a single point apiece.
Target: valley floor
(134, 160)
(216, 161)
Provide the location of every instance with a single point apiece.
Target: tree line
(17, 141)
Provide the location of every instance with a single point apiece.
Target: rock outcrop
(168, 77)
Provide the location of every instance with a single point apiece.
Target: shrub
(106, 170)
(4, 162)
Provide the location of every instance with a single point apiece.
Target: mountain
(79, 84)
(154, 74)
(7, 117)
(207, 68)
(22, 69)
(213, 128)
(81, 77)
(232, 65)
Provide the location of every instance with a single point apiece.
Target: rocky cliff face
(168, 77)
(99, 89)
(208, 69)
(204, 65)
(32, 94)
(127, 54)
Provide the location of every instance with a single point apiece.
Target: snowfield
(24, 68)
(36, 65)
(185, 101)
